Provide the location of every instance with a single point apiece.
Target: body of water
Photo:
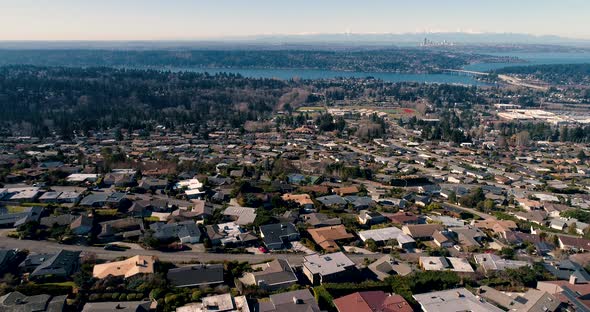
(530, 58)
(328, 74)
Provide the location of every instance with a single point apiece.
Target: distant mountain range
(414, 38)
(312, 41)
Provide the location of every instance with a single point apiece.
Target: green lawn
(68, 283)
(15, 209)
(310, 108)
(106, 212)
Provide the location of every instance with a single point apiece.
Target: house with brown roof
(320, 220)
(317, 189)
(536, 216)
(500, 227)
(403, 218)
(443, 239)
(529, 204)
(372, 301)
(135, 265)
(304, 200)
(573, 243)
(326, 237)
(574, 294)
(422, 231)
(346, 190)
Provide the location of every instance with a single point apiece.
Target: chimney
(297, 301)
(573, 279)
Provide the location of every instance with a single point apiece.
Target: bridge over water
(465, 72)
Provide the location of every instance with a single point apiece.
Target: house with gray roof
(332, 201)
(29, 214)
(278, 235)
(566, 269)
(272, 276)
(102, 199)
(17, 302)
(196, 275)
(387, 266)
(61, 265)
(123, 306)
(459, 299)
(292, 301)
(7, 259)
(186, 231)
(328, 268)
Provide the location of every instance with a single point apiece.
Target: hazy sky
(197, 19)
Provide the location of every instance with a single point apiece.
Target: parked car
(114, 247)
(262, 249)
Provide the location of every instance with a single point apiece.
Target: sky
(216, 19)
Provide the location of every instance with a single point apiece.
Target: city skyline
(203, 20)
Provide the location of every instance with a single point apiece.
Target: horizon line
(310, 34)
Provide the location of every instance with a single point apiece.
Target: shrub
(94, 297)
(157, 293)
(323, 297)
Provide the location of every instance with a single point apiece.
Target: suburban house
(126, 306)
(387, 234)
(16, 301)
(468, 236)
(327, 237)
(217, 303)
(126, 268)
(82, 225)
(370, 217)
(445, 264)
(241, 215)
(303, 200)
(568, 270)
(387, 266)
(278, 235)
(573, 243)
(187, 231)
(443, 239)
(295, 301)
(102, 199)
(196, 275)
(372, 301)
(229, 233)
(8, 258)
(499, 227)
(404, 218)
(320, 220)
(459, 299)
(272, 276)
(61, 265)
(328, 268)
(531, 300)
(335, 201)
(491, 262)
(29, 214)
(347, 190)
(422, 231)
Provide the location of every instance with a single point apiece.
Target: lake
(530, 58)
(328, 74)
(533, 59)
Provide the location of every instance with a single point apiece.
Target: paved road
(483, 215)
(519, 83)
(176, 257)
